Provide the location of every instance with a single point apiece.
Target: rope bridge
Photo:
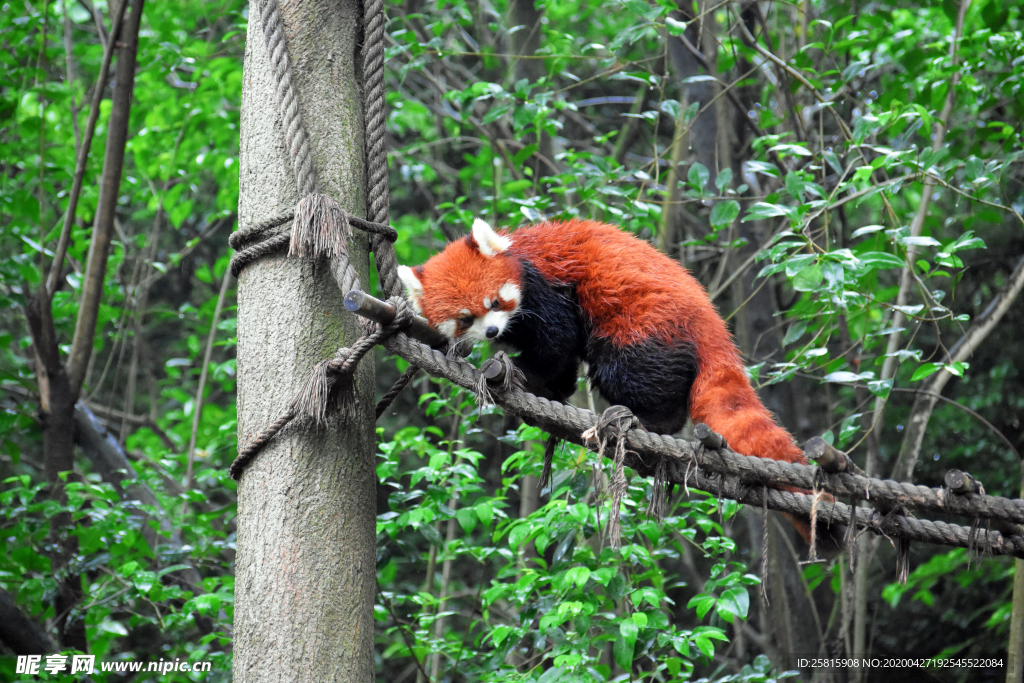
(319, 231)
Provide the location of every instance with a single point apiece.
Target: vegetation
(845, 180)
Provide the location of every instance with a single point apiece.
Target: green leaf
(925, 370)
(795, 186)
(552, 675)
(703, 603)
(495, 113)
(734, 603)
(833, 161)
(957, 368)
(795, 331)
(765, 210)
(791, 150)
(724, 213)
(920, 241)
(625, 644)
(484, 512)
(867, 230)
(763, 167)
(698, 175)
(880, 260)
(675, 27)
(724, 179)
(467, 519)
(808, 279)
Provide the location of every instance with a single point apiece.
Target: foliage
(178, 197)
(800, 204)
(559, 590)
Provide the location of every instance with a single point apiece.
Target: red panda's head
(471, 289)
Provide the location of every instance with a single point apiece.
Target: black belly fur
(652, 378)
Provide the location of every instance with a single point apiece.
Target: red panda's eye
(495, 304)
(467, 320)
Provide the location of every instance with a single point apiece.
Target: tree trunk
(306, 506)
(59, 384)
(1015, 643)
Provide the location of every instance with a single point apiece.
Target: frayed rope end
(317, 231)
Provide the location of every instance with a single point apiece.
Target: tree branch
(907, 278)
(110, 182)
(20, 633)
(83, 153)
(921, 413)
(198, 406)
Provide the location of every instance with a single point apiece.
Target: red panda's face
(471, 289)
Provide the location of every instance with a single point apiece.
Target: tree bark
(1015, 643)
(306, 506)
(19, 633)
(106, 204)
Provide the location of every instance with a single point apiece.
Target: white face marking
(465, 311)
(487, 241)
(510, 292)
(447, 328)
(487, 303)
(413, 286)
(478, 330)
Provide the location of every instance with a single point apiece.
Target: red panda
(565, 292)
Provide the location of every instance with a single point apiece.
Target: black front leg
(549, 381)
(548, 331)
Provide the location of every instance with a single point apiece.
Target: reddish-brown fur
(630, 292)
(459, 277)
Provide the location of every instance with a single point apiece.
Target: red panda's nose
(491, 332)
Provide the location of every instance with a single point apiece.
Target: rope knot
(403, 314)
(499, 372)
(318, 227)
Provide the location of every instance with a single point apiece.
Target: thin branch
(920, 414)
(907, 275)
(405, 636)
(197, 408)
(97, 17)
(108, 413)
(69, 70)
(83, 154)
(110, 182)
(973, 413)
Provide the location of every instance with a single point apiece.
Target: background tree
(856, 217)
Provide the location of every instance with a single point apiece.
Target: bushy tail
(723, 399)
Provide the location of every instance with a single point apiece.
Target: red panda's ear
(413, 285)
(488, 242)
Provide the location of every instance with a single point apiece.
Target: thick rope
(253, 448)
(388, 398)
(320, 225)
(377, 196)
(288, 102)
(612, 427)
(566, 421)
(261, 239)
(735, 478)
(328, 384)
